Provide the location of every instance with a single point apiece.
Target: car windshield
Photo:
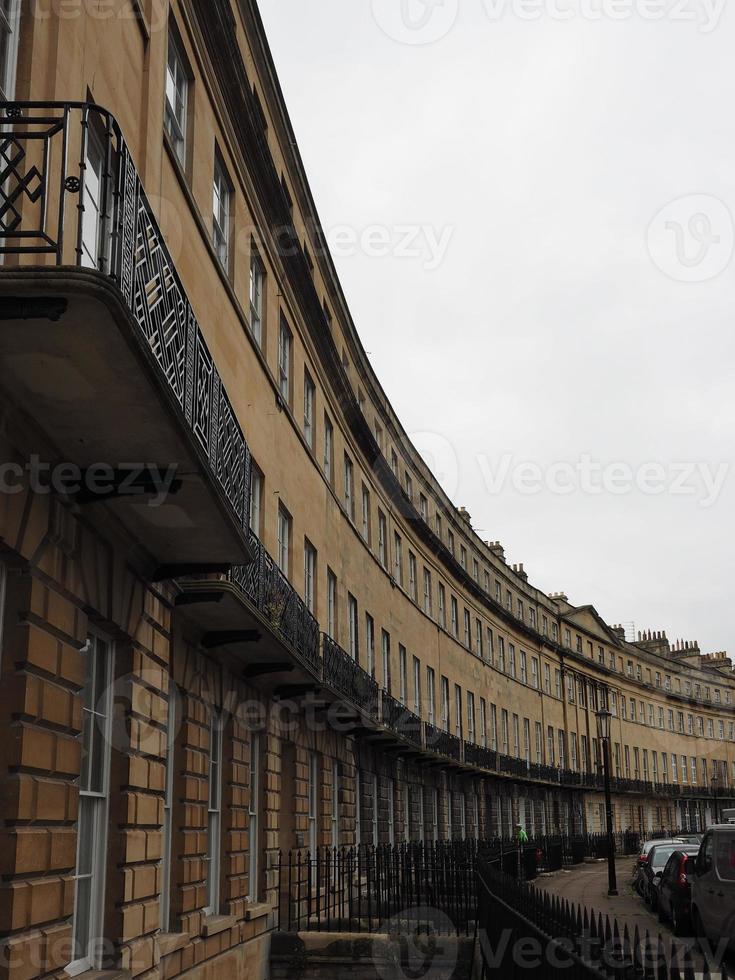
(650, 844)
(660, 855)
(725, 856)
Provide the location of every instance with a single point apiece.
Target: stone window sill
(169, 942)
(102, 975)
(258, 911)
(215, 924)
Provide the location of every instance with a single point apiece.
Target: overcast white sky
(562, 320)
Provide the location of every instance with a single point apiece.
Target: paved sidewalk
(586, 885)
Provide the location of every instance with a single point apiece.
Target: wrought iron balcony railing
(480, 756)
(442, 742)
(274, 597)
(399, 719)
(348, 677)
(70, 195)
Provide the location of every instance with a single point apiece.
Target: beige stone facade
(323, 654)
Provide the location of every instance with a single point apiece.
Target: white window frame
(309, 575)
(391, 811)
(431, 694)
(168, 799)
(397, 558)
(382, 539)
(256, 499)
(369, 644)
(349, 481)
(214, 813)
(175, 117)
(331, 604)
(366, 514)
(254, 818)
(257, 290)
(376, 811)
(285, 341)
(354, 627)
(313, 805)
(328, 449)
(221, 212)
(403, 675)
(284, 539)
(10, 26)
(406, 814)
(335, 806)
(309, 402)
(95, 189)
(94, 807)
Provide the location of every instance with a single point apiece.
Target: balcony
(101, 355)
(442, 743)
(480, 757)
(400, 720)
(348, 678)
(271, 593)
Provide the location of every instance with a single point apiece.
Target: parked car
(642, 860)
(654, 866)
(691, 838)
(713, 886)
(674, 892)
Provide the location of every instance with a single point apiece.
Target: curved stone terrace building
(239, 615)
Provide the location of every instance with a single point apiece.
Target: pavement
(587, 885)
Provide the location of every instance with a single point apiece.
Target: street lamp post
(715, 795)
(604, 725)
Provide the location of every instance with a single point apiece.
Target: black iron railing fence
(522, 930)
(362, 888)
(70, 195)
(347, 676)
(371, 889)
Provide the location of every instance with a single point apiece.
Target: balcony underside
(90, 383)
(232, 630)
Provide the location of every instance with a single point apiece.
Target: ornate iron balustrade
(442, 742)
(480, 756)
(42, 192)
(399, 719)
(348, 677)
(268, 589)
